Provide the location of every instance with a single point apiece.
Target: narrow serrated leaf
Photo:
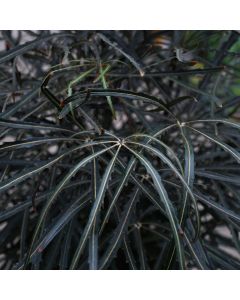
(125, 51)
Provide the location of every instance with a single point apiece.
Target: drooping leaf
(96, 205)
(119, 232)
(167, 204)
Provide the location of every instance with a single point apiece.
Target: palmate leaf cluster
(119, 150)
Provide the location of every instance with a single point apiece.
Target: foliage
(120, 150)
